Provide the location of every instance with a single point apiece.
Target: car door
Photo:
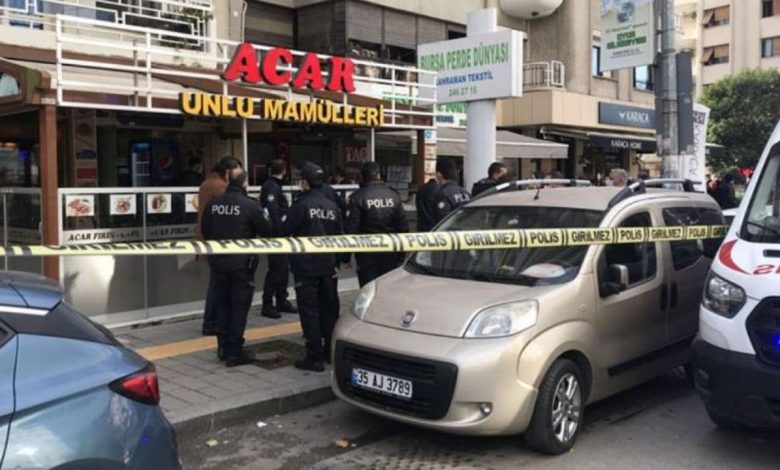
(689, 262)
(632, 318)
(8, 346)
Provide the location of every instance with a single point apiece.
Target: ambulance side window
(639, 258)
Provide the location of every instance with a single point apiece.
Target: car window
(762, 222)
(686, 254)
(639, 258)
(63, 322)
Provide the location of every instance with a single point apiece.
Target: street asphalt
(660, 425)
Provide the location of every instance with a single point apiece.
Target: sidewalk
(199, 393)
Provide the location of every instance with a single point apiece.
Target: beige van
(500, 342)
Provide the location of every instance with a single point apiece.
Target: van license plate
(382, 383)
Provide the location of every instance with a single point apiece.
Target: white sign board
(480, 67)
(694, 165)
(628, 34)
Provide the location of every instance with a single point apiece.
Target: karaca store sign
(247, 67)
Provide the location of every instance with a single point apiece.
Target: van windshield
(762, 222)
(525, 266)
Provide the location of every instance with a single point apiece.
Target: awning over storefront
(452, 141)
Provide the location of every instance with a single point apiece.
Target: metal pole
(668, 139)
(245, 145)
(371, 145)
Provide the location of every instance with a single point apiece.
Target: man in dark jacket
(426, 213)
(497, 174)
(375, 208)
(314, 214)
(272, 198)
(234, 215)
(450, 195)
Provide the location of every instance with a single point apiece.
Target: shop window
(639, 258)
(716, 17)
(644, 78)
(770, 8)
(715, 55)
(770, 47)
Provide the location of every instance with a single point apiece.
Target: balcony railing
(542, 75)
(191, 17)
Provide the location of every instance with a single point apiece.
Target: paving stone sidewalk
(197, 391)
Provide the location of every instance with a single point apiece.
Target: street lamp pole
(666, 94)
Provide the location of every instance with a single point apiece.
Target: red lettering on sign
(341, 72)
(243, 65)
(309, 74)
(273, 58)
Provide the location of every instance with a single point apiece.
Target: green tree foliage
(745, 108)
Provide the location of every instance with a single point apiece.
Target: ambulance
(736, 365)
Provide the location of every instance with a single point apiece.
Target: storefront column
(371, 144)
(245, 145)
(47, 135)
(419, 163)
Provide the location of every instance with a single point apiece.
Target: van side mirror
(618, 279)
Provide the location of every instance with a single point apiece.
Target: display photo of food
(158, 203)
(122, 204)
(191, 202)
(79, 206)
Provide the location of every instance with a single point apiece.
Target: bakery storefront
(111, 145)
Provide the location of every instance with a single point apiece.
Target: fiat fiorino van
(509, 341)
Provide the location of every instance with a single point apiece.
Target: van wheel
(558, 411)
(724, 422)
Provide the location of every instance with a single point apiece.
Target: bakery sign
(274, 67)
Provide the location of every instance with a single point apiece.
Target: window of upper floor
(644, 78)
(595, 63)
(715, 55)
(716, 17)
(770, 47)
(770, 8)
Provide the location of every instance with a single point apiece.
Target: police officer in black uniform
(314, 214)
(497, 174)
(450, 195)
(375, 208)
(275, 203)
(426, 213)
(233, 215)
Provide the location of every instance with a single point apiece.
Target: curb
(261, 409)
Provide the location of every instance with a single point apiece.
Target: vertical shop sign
(84, 156)
(694, 165)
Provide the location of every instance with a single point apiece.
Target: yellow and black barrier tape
(390, 242)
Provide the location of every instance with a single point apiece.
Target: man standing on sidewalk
(212, 187)
(231, 216)
(451, 195)
(273, 200)
(375, 208)
(312, 215)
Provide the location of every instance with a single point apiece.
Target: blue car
(71, 396)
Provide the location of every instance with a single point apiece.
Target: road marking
(181, 348)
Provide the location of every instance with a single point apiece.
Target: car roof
(26, 290)
(588, 198)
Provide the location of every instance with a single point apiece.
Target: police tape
(385, 242)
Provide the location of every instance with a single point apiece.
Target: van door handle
(674, 294)
(664, 296)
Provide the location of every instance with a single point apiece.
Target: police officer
(497, 174)
(450, 195)
(375, 208)
(426, 208)
(233, 215)
(273, 200)
(314, 214)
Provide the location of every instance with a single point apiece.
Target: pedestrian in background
(273, 200)
(619, 177)
(450, 195)
(234, 215)
(497, 174)
(375, 208)
(211, 187)
(312, 215)
(426, 207)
